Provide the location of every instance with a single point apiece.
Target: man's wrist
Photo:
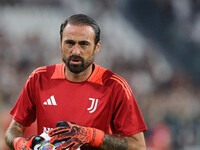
(97, 137)
(16, 141)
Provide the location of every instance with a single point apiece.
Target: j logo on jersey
(93, 106)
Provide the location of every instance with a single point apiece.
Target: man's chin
(75, 69)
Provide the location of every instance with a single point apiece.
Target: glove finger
(65, 145)
(29, 140)
(76, 146)
(59, 137)
(62, 123)
(57, 131)
(65, 124)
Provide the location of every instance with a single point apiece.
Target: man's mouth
(75, 61)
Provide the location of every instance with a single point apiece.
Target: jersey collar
(59, 72)
(96, 76)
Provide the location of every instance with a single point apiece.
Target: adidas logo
(50, 101)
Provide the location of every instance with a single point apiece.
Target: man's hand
(21, 143)
(75, 135)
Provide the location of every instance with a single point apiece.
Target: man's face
(78, 47)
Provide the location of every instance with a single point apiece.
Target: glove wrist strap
(17, 140)
(98, 137)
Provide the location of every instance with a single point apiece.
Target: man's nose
(76, 50)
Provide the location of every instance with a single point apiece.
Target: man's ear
(97, 47)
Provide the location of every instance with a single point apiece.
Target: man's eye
(69, 43)
(84, 44)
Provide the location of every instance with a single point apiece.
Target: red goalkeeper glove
(75, 135)
(21, 143)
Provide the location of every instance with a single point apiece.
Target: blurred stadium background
(153, 44)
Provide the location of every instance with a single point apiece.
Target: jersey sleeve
(127, 118)
(24, 110)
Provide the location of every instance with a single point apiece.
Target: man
(78, 102)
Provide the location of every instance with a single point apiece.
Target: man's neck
(80, 77)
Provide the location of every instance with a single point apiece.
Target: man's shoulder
(99, 75)
(46, 70)
(108, 77)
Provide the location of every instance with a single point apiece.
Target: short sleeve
(127, 118)
(24, 110)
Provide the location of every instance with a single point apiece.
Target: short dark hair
(81, 19)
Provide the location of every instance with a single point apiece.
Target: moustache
(75, 58)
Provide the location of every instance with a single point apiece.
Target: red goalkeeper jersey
(105, 101)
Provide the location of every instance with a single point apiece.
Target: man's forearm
(14, 130)
(135, 142)
(114, 142)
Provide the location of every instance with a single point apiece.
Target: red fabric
(114, 108)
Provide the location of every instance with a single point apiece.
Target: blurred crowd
(166, 90)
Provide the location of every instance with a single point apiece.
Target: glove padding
(21, 143)
(75, 135)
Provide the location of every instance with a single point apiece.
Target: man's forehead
(80, 28)
(78, 31)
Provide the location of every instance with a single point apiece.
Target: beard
(77, 68)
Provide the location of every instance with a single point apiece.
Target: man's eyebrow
(70, 41)
(84, 42)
